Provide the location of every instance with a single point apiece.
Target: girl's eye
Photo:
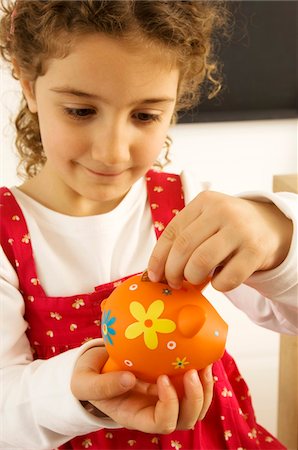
(79, 113)
(147, 117)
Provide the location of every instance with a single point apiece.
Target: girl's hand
(138, 405)
(227, 236)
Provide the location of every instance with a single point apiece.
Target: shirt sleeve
(268, 298)
(29, 399)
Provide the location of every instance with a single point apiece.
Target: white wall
(9, 101)
(237, 156)
(231, 157)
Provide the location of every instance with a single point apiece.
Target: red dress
(57, 324)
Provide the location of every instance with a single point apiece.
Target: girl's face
(104, 112)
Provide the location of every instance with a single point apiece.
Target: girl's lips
(103, 174)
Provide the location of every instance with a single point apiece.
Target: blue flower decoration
(106, 327)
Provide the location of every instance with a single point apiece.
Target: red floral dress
(57, 324)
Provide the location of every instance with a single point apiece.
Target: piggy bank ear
(190, 320)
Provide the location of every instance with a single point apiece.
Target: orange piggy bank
(151, 329)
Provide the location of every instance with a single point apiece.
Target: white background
(230, 157)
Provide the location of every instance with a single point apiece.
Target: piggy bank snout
(190, 320)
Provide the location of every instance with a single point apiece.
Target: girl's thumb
(94, 386)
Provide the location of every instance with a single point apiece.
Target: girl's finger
(159, 255)
(238, 269)
(105, 386)
(143, 411)
(206, 378)
(167, 407)
(188, 241)
(184, 233)
(213, 252)
(142, 387)
(87, 382)
(161, 250)
(192, 402)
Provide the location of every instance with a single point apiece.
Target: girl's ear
(28, 91)
(27, 88)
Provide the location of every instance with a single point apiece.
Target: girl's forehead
(133, 47)
(103, 63)
(98, 53)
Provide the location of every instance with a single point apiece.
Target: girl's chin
(101, 201)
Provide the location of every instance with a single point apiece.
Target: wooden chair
(288, 358)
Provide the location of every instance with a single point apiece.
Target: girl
(102, 82)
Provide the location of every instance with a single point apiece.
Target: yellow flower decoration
(78, 303)
(228, 434)
(87, 443)
(252, 434)
(159, 225)
(226, 393)
(26, 238)
(176, 445)
(149, 323)
(180, 363)
(55, 315)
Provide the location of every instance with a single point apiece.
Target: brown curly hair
(34, 30)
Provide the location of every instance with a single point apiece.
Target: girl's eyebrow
(77, 93)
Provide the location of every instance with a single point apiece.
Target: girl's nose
(112, 145)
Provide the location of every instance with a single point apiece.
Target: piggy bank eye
(133, 287)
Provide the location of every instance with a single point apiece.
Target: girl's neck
(61, 198)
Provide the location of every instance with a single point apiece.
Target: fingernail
(165, 380)
(194, 377)
(152, 276)
(126, 380)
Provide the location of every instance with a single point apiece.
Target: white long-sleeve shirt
(74, 253)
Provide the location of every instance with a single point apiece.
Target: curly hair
(34, 30)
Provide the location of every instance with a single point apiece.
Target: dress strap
(16, 242)
(165, 196)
